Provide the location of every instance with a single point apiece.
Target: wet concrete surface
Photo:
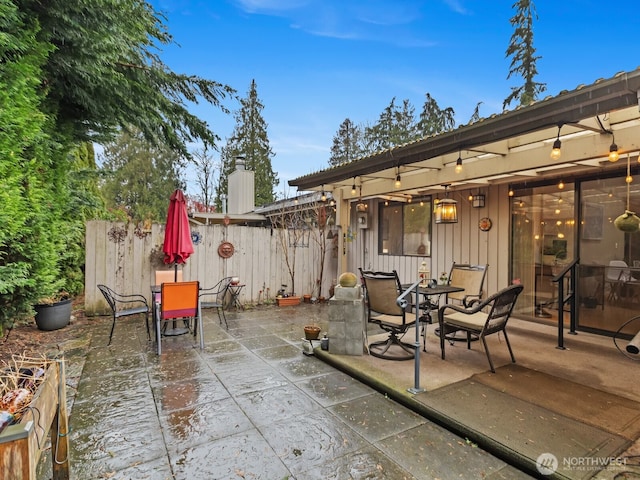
(250, 405)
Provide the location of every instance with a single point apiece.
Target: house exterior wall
(462, 242)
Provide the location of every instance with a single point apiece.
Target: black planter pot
(53, 316)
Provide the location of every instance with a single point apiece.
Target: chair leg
(158, 334)
(441, 341)
(486, 350)
(201, 330)
(506, 338)
(113, 325)
(222, 315)
(146, 321)
(379, 349)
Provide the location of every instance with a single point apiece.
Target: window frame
(400, 244)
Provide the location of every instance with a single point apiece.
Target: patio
(251, 405)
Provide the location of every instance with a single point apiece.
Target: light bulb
(397, 183)
(613, 153)
(555, 151)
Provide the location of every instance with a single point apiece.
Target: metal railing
(570, 271)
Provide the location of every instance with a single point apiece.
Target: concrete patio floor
(251, 405)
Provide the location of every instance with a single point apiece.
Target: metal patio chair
(484, 318)
(217, 297)
(382, 290)
(124, 306)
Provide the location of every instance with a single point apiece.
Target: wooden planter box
(287, 301)
(22, 444)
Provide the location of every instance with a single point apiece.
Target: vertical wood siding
(259, 261)
(462, 242)
(126, 265)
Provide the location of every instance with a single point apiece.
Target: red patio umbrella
(177, 235)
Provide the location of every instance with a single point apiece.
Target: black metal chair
(125, 305)
(484, 318)
(382, 290)
(217, 297)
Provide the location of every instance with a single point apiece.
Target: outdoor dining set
(390, 305)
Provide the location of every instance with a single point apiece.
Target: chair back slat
(179, 299)
(469, 277)
(168, 276)
(382, 290)
(501, 306)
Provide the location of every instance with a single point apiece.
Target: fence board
(120, 257)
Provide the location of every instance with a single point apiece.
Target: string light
(555, 151)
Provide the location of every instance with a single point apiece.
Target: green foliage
(73, 72)
(523, 53)
(395, 126)
(24, 179)
(433, 119)
(138, 178)
(347, 144)
(250, 139)
(105, 73)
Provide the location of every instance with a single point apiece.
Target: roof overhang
(505, 148)
(207, 218)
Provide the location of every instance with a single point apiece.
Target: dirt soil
(26, 339)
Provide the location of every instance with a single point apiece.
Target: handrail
(571, 268)
(403, 303)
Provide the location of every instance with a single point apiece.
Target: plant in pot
(311, 332)
(292, 231)
(53, 312)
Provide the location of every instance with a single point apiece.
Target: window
(405, 228)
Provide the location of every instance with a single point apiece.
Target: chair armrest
(459, 308)
(469, 300)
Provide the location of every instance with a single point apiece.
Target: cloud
(384, 21)
(456, 6)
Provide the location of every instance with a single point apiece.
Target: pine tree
(249, 139)
(523, 53)
(395, 126)
(139, 178)
(433, 119)
(347, 144)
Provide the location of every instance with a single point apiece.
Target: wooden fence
(125, 258)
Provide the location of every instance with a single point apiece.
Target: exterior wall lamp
(446, 210)
(477, 201)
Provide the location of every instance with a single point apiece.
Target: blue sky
(317, 62)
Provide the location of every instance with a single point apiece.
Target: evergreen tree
(74, 72)
(347, 144)
(139, 178)
(395, 126)
(523, 53)
(476, 113)
(433, 119)
(105, 73)
(249, 139)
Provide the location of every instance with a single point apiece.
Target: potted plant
(53, 312)
(292, 231)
